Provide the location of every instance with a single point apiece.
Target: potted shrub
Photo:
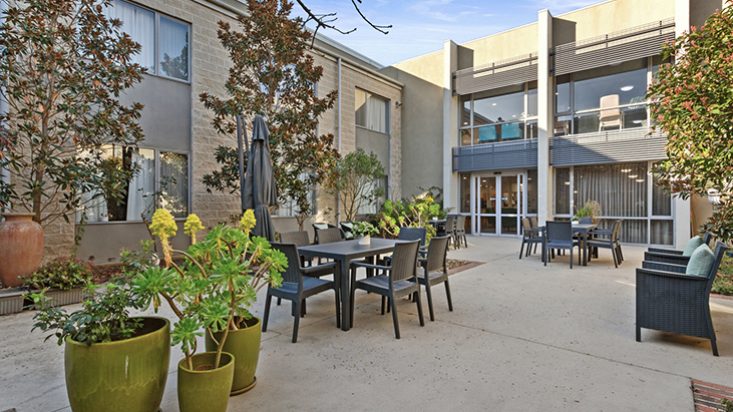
(210, 289)
(112, 361)
(63, 279)
(363, 231)
(591, 209)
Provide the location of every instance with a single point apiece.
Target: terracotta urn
(21, 248)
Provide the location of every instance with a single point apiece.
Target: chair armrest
(660, 273)
(602, 232)
(666, 257)
(663, 266)
(318, 268)
(370, 266)
(666, 251)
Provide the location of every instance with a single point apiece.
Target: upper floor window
(164, 41)
(371, 111)
(607, 98)
(499, 116)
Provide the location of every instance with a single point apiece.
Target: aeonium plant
(213, 283)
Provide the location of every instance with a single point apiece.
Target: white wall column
(681, 207)
(545, 118)
(450, 126)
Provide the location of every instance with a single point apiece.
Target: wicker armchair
(669, 300)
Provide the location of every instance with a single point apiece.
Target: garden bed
(723, 283)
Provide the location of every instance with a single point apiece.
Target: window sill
(372, 130)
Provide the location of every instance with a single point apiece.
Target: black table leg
(345, 294)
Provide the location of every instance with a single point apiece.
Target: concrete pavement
(522, 337)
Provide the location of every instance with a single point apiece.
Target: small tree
(63, 69)
(355, 180)
(693, 104)
(272, 74)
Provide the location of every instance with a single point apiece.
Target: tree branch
(327, 20)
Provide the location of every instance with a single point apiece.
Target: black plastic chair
(460, 231)
(329, 235)
(298, 284)
(669, 300)
(320, 226)
(607, 239)
(450, 229)
(400, 280)
(410, 233)
(347, 228)
(530, 237)
(559, 235)
(297, 238)
(435, 271)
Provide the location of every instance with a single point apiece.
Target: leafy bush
(64, 273)
(415, 212)
(590, 209)
(723, 283)
(104, 316)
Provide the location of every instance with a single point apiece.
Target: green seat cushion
(701, 262)
(692, 245)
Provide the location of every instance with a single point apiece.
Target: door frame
(475, 213)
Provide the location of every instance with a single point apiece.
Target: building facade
(184, 58)
(543, 118)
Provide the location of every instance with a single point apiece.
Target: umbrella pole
(240, 152)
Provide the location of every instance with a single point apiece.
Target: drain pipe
(338, 131)
(4, 173)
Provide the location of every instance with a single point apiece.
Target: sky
(421, 26)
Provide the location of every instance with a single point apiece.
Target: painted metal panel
(495, 75)
(495, 156)
(634, 43)
(608, 147)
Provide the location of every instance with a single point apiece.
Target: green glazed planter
(244, 344)
(126, 375)
(203, 388)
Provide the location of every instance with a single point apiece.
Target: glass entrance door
(498, 203)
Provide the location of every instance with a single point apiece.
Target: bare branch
(328, 20)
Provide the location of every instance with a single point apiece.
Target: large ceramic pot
(204, 388)
(125, 375)
(244, 344)
(22, 248)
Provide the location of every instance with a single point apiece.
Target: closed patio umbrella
(260, 191)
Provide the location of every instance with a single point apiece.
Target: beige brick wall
(209, 72)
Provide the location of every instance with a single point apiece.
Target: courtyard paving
(522, 337)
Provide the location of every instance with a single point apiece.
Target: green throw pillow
(701, 261)
(692, 245)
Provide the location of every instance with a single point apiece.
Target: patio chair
(400, 280)
(329, 235)
(297, 238)
(320, 226)
(559, 235)
(348, 230)
(460, 230)
(410, 233)
(530, 237)
(607, 239)
(298, 284)
(585, 220)
(675, 298)
(610, 114)
(435, 271)
(450, 229)
(679, 257)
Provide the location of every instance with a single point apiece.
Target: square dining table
(344, 253)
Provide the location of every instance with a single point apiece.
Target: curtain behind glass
(141, 192)
(620, 189)
(174, 183)
(562, 191)
(377, 112)
(139, 23)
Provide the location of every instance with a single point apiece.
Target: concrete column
(681, 207)
(450, 126)
(545, 120)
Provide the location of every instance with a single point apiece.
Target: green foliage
(362, 228)
(273, 74)
(214, 285)
(64, 67)
(590, 209)
(723, 283)
(64, 273)
(415, 212)
(727, 404)
(354, 179)
(693, 104)
(104, 316)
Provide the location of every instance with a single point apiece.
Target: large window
(159, 179)
(165, 41)
(497, 116)
(607, 98)
(371, 111)
(378, 186)
(625, 191)
(289, 207)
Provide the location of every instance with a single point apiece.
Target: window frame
(368, 96)
(156, 42)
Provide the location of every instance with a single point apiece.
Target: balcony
(517, 154)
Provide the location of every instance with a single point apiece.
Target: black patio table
(344, 252)
(582, 230)
(439, 225)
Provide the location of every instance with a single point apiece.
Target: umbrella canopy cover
(260, 190)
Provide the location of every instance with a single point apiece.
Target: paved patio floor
(522, 337)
